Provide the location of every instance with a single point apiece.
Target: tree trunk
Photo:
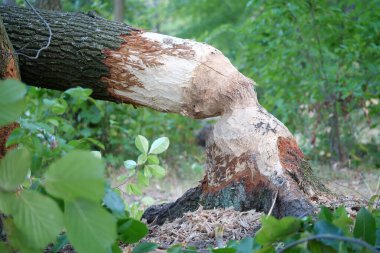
(253, 161)
(8, 69)
(118, 10)
(336, 148)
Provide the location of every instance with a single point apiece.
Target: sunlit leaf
(14, 168)
(78, 174)
(130, 164)
(159, 145)
(90, 228)
(142, 144)
(39, 217)
(156, 170)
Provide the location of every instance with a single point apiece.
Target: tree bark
(8, 69)
(253, 161)
(118, 10)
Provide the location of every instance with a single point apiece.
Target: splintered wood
(200, 228)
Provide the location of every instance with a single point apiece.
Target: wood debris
(202, 228)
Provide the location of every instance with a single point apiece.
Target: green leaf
(121, 178)
(85, 143)
(323, 227)
(145, 247)
(114, 202)
(90, 228)
(159, 145)
(147, 172)
(325, 214)
(130, 164)
(61, 242)
(153, 159)
(147, 200)
(4, 248)
(342, 220)
(141, 159)
(59, 107)
(16, 238)
(365, 226)
(14, 168)
(12, 102)
(142, 144)
(157, 170)
(79, 93)
(11, 112)
(38, 217)
(8, 201)
(224, 250)
(16, 137)
(131, 230)
(78, 174)
(115, 248)
(142, 179)
(283, 228)
(133, 189)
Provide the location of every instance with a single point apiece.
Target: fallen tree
(253, 161)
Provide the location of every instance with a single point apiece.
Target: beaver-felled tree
(252, 158)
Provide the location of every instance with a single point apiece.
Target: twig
(330, 237)
(49, 39)
(273, 203)
(366, 183)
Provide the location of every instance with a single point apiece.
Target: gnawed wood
(251, 155)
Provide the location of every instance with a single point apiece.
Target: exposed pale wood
(251, 155)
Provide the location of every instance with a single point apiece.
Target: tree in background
(315, 62)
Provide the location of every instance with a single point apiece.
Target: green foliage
(14, 168)
(77, 175)
(140, 171)
(131, 230)
(315, 63)
(365, 226)
(284, 227)
(90, 228)
(66, 197)
(12, 102)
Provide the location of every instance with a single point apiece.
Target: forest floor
(198, 228)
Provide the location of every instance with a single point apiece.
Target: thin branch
(331, 237)
(49, 39)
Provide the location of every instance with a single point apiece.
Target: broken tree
(253, 161)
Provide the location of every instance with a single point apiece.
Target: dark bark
(77, 51)
(336, 148)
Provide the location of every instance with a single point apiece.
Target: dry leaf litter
(206, 228)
